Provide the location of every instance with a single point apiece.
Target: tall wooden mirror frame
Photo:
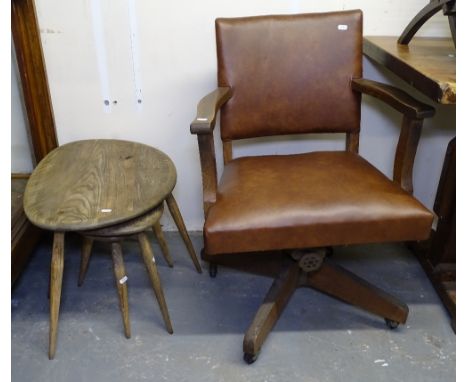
(31, 66)
(41, 124)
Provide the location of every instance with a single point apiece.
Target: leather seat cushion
(309, 200)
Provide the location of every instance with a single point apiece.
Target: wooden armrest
(413, 112)
(207, 109)
(203, 125)
(396, 98)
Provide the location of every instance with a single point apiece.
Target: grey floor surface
(317, 338)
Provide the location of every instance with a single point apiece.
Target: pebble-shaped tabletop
(90, 184)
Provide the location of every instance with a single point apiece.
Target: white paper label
(342, 27)
(106, 210)
(123, 280)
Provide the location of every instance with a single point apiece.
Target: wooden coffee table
(105, 187)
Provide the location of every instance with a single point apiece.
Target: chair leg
(150, 264)
(174, 209)
(346, 286)
(162, 243)
(213, 270)
(86, 248)
(56, 275)
(269, 312)
(121, 283)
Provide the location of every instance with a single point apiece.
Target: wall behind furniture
(163, 54)
(21, 156)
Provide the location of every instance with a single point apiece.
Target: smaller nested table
(105, 190)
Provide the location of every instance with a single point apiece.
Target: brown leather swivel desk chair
(302, 74)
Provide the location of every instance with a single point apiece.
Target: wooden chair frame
(309, 268)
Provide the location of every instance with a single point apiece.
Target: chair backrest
(290, 74)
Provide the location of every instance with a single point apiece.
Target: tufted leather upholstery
(290, 74)
(309, 200)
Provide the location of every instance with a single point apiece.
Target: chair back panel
(290, 74)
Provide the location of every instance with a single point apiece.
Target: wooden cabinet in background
(428, 64)
(24, 236)
(38, 105)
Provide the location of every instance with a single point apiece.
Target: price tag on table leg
(123, 280)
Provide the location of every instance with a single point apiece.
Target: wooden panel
(24, 236)
(17, 191)
(438, 254)
(22, 246)
(443, 243)
(35, 89)
(428, 64)
(27, 41)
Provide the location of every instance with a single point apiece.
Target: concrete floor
(317, 338)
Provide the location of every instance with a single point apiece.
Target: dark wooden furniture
(439, 255)
(434, 6)
(41, 125)
(31, 65)
(278, 215)
(106, 190)
(24, 235)
(428, 64)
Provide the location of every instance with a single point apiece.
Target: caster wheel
(213, 270)
(391, 324)
(329, 251)
(250, 358)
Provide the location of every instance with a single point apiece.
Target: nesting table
(105, 190)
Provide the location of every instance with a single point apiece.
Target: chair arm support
(208, 168)
(207, 109)
(203, 126)
(406, 152)
(394, 97)
(413, 112)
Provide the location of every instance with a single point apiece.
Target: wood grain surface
(427, 63)
(91, 184)
(121, 284)
(31, 68)
(130, 227)
(148, 259)
(56, 276)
